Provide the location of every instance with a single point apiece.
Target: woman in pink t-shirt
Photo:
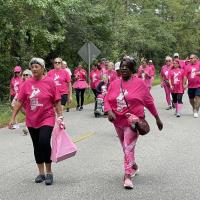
(15, 82)
(15, 85)
(145, 73)
(128, 95)
(40, 95)
(164, 79)
(153, 71)
(111, 73)
(176, 77)
(62, 80)
(94, 79)
(80, 86)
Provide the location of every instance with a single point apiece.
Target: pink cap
(17, 69)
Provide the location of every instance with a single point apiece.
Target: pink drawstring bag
(62, 145)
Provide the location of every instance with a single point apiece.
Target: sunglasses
(25, 74)
(168, 60)
(57, 62)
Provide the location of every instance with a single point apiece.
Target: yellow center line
(83, 137)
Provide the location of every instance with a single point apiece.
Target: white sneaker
(196, 115)
(15, 126)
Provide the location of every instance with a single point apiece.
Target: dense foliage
(49, 28)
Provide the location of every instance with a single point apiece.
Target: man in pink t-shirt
(192, 81)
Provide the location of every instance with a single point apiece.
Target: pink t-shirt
(61, 78)
(39, 97)
(15, 85)
(99, 77)
(153, 71)
(176, 76)
(182, 64)
(165, 72)
(145, 73)
(137, 96)
(193, 79)
(80, 74)
(112, 75)
(94, 77)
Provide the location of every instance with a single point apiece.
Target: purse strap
(124, 94)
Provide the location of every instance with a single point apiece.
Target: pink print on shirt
(121, 103)
(34, 103)
(56, 79)
(16, 86)
(176, 80)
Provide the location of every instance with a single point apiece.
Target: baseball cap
(17, 69)
(117, 66)
(27, 71)
(176, 54)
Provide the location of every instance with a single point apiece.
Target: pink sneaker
(128, 184)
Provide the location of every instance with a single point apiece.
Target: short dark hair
(130, 63)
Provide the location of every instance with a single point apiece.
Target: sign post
(88, 52)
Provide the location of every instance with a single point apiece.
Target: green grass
(5, 115)
(156, 81)
(6, 111)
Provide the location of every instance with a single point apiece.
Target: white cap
(27, 71)
(38, 61)
(64, 62)
(176, 54)
(117, 66)
(150, 61)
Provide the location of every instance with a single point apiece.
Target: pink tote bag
(62, 146)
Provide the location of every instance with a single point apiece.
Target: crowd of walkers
(178, 75)
(122, 91)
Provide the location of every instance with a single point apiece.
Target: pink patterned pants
(128, 139)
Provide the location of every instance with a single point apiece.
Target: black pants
(80, 93)
(177, 97)
(41, 138)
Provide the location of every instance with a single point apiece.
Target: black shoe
(169, 108)
(67, 110)
(77, 107)
(49, 179)
(81, 108)
(40, 178)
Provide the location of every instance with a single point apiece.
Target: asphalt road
(169, 161)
